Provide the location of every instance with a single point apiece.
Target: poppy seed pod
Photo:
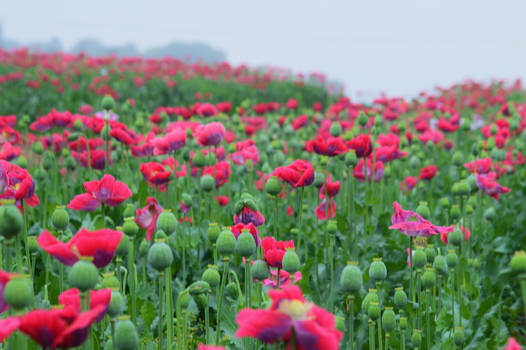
(362, 118)
(110, 281)
(414, 162)
(400, 298)
(461, 188)
(291, 262)
(350, 159)
(199, 287)
(388, 320)
(444, 202)
(143, 247)
(246, 246)
(130, 227)
(332, 227)
(336, 129)
(167, 222)
(273, 187)
(18, 293)
(129, 211)
(455, 237)
(377, 270)
(183, 300)
(70, 163)
(207, 183)
(125, 336)
(211, 276)
(213, 232)
(260, 270)
(419, 258)
(48, 161)
(226, 243)
(351, 278)
(454, 212)
(458, 336)
(369, 297)
(423, 210)
(319, 179)
(430, 253)
(403, 322)
(452, 259)
(518, 262)
(457, 158)
(124, 245)
(83, 275)
(429, 278)
(108, 102)
(416, 338)
(199, 159)
(32, 243)
(440, 264)
(160, 256)
(232, 291)
(11, 221)
(373, 310)
(60, 218)
(116, 306)
(469, 209)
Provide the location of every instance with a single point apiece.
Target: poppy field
(164, 204)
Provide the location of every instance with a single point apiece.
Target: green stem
(523, 290)
(132, 279)
(351, 323)
(428, 321)
(18, 252)
(207, 318)
(279, 278)
(112, 324)
(226, 261)
(160, 323)
(371, 335)
(169, 311)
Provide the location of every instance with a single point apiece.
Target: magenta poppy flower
(106, 191)
(487, 184)
(156, 175)
(210, 134)
(147, 216)
(8, 326)
(210, 347)
(292, 103)
(325, 210)
(99, 245)
(95, 158)
(123, 134)
(273, 250)
(328, 146)
(361, 172)
(314, 327)
(298, 174)
(412, 224)
(246, 150)
(329, 188)
(16, 183)
(512, 344)
(408, 184)
(221, 171)
(169, 143)
(361, 145)
(299, 122)
(207, 110)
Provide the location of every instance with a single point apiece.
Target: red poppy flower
(210, 134)
(434, 136)
(8, 326)
(224, 107)
(247, 215)
(100, 245)
(329, 188)
(238, 228)
(81, 144)
(222, 200)
(408, 184)
(123, 134)
(246, 150)
(169, 143)
(300, 121)
(512, 344)
(362, 172)
(298, 174)
(314, 327)
(412, 224)
(156, 175)
(5, 277)
(221, 171)
(71, 297)
(328, 146)
(106, 191)
(361, 145)
(52, 120)
(97, 157)
(209, 347)
(292, 103)
(9, 152)
(17, 184)
(483, 165)
(428, 172)
(487, 184)
(273, 250)
(147, 216)
(325, 211)
(207, 110)
(317, 107)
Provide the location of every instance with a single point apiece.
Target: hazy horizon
(399, 47)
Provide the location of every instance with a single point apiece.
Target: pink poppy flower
(106, 191)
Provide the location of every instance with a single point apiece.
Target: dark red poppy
(106, 191)
(329, 188)
(100, 245)
(361, 145)
(207, 110)
(328, 146)
(222, 200)
(273, 250)
(224, 107)
(123, 134)
(210, 134)
(16, 183)
(298, 174)
(428, 172)
(248, 215)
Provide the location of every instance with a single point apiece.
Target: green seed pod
(319, 179)
(362, 118)
(350, 159)
(83, 275)
(273, 187)
(70, 163)
(207, 183)
(38, 148)
(160, 256)
(129, 211)
(21, 161)
(130, 227)
(403, 322)
(32, 243)
(430, 253)
(332, 227)
(518, 262)
(373, 310)
(458, 336)
(11, 221)
(199, 159)
(226, 243)
(377, 270)
(143, 247)
(183, 300)
(246, 246)
(429, 278)
(260, 270)
(461, 188)
(291, 262)
(18, 293)
(211, 276)
(60, 218)
(440, 264)
(351, 279)
(213, 232)
(400, 298)
(336, 129)
(125, 336)
(419, 258)
(369, 297)
(458, 159)
(455, 237)
(423, 210)
(201, 300)
(469, 209)
(187, 199)
(454, 212)
(166, 222)
(416, 338)
(124, 245)
(199, 287)
(48, 161)
(116, 306)
(452, 259)
(232, 291)
(110, 281)
(108, 102)
(388, 320)
(444, 202)
(414, 162)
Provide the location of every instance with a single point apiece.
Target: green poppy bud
(70, 163)
(458, 336)
(110, 281)
(21, 161)
(518, 262)
(388, 320)
(60, 218)
(351, 278)
(336, 129)
(419, 258)
(213, 232)
(199, 159)
(416, 338)
(83, 275)
(183, 300)
(400, 298)
(108, 102)
(166, 222)
(226, 243)
(430, 253)
(207, 183)
(260, 270)
(38, 148)
(452, 259)
(440, 264)
(187, 199)
(362, 118)
(444, 202)
(455, 237)
(429, 278)
(32, 243)
(369, 297)
(143, 247)
(116, 306)
(469, 209)
(11, 221)
(414, 162)
(461, 188)
(246, 246)
(211, 276)
(458, 159)
(129, 211)
(18, 292)
(350, 159)
(199, 287)
(125, 336)
(130, 227)
(373, 310)
(273, 187)
(291, 262)
(160, 256)
(377, 270)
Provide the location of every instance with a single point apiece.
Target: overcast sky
(398, 47)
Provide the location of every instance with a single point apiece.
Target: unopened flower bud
(207, 183)
(11, 221)
(116, 306)
(60, 218)
(336, 129)
(18, 293)
(199, 287)
(232, 291)
(108, 102)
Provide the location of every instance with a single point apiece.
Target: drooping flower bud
(199, 287)
(83, 275)
(291, 262)
(232, 290)
(377, 270)
(160, 256)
